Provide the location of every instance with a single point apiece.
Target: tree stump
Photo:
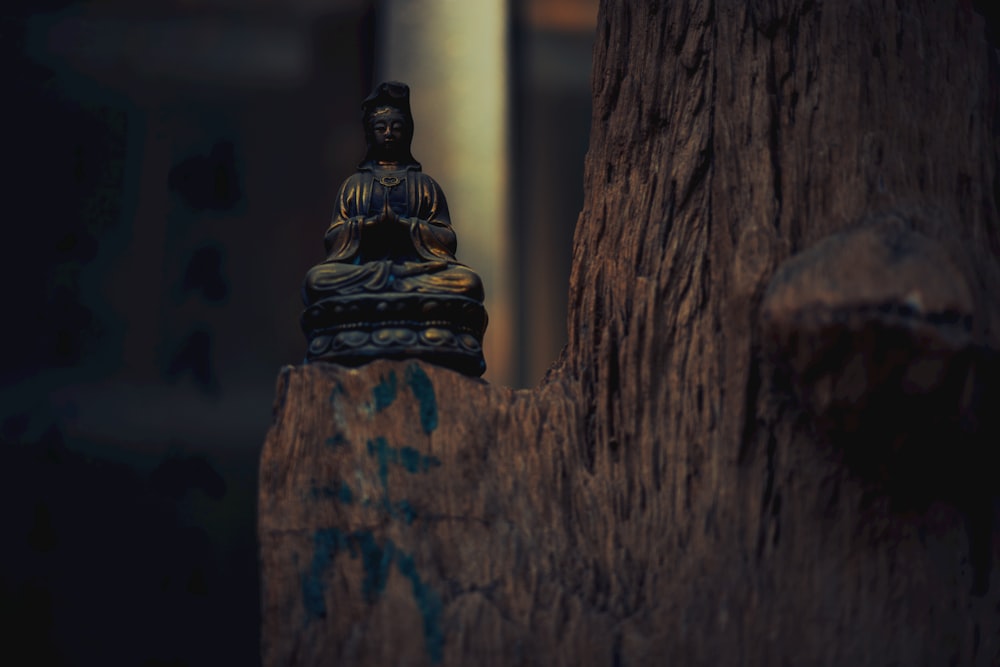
(770, 438)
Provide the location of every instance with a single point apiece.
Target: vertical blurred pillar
(551, 101)
(453, 54)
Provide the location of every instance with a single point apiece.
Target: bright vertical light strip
(453, 54)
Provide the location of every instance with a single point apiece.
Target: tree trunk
(768, 440)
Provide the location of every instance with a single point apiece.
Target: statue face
(389, 131)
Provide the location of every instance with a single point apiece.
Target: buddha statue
(390, 285)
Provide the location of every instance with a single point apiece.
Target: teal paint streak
(404, 510)
(385, 391)
(376, 561)
(408, 458)
(336, 440)
(344, 495)
(429, 603)
(385, 455)
(341, 492)
(413, 461)
(326, 544)
(338, 390)
(423, 390)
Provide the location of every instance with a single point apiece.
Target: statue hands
(386, 219)
(387, 216)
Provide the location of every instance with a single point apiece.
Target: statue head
(388, 123)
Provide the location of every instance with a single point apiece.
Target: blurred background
(170, 168)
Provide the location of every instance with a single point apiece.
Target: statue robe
(418, 255)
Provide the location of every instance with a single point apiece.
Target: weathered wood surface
(769, 439)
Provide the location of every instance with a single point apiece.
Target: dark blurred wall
(171, 168)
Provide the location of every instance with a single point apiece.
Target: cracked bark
(769, 438)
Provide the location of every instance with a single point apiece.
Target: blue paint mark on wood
(336, 440)
(381, 450)
(409, 458)
(341, 492)
(338, 390)
(423, 390)
(345, 496)
(376, 561)
(326, 543)
(404, 510)
(384, 392)
(413, 461)
(429, 603)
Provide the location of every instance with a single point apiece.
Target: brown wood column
(770, 439)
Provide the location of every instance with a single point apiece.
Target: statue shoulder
(426, 183)
(423, 177)
(358, 179)
(354, 184)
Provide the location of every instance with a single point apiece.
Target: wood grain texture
(770, 437)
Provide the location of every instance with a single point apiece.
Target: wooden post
(769, 439)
